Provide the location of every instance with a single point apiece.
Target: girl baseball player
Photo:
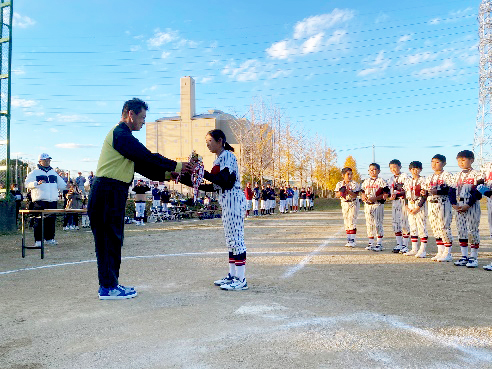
(417, 210)
(399, 214)
(374, 192)
(348, 190)
(437, 187)
(466, 202)
(226, 181)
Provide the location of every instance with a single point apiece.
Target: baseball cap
(44, 156)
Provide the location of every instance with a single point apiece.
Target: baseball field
(312, 302)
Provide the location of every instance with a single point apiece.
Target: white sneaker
(421, 254)
(437, 257)
(445, 258)
(237, 285)
(66, 228)
(410, 253)
(51, 242)
(37, 244)
(369, 247)
(404, 250)
(226, 280)
(76, 228)
(488, 267)
(397, 249)
(377, 248)
(472, 263)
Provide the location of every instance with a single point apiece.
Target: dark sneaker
(117, 293)
(462, 262)
(226, 280)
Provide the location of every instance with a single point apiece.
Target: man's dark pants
(106, 210)
(49, 221)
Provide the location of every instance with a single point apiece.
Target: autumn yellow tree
(351, 163)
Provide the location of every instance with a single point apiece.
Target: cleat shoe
(410, 253)
(117, 293)
(369, 247)
(472, 263)
(236, 285)
(397, 249)
(51, 242)
(422, 254)
(445, 258)
(404, 250)
(127, 289)
(226, 280)
(37, 244)
(66, 228)
(377, 248)
(488, 267)
(462, 262)
(437, 257)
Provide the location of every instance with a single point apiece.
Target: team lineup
(414, 198)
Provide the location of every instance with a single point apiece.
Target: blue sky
(400, 76)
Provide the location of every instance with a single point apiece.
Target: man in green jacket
(121, 156)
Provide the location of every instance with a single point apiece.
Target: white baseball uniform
(487, 176)
(439, 207)
(374, 212)
(350, 209)
(399, 214)
(417, 222)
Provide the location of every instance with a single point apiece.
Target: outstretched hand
(187, 167)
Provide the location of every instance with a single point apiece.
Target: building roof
(212, 113)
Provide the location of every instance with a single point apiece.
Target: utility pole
(482, 145)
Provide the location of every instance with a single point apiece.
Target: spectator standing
(91, 179)
(140, 200)
(80, 183)
(256, 198)
(74, 201)
(282, 196)
(44, 184)
(165, 198)
(156, 196)
(248, 192)
(14, 191)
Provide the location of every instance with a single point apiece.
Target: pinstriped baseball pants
(350, 211)
(440, 217)
(468, 223)
(418, 222)
(374, 219)
(400, 217)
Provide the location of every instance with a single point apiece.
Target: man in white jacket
(44, 184)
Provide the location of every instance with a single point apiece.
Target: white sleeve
(60, 182)
(31, 180)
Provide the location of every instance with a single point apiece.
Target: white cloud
(379, 64)
(67, 118)
(89, 160)
(442, 68)
(309, 35)
(419, 57)
(165, 54)
(22, 21)
(435, 21)
(161, 38)
(151, 88)
(71, 145)
(23, 103)
(54, 130)
(135, 48)
(247, 71)
(313, 25)
(383, 17)
(405, 38)
(206, 79)
(34, 114)
(18, 71)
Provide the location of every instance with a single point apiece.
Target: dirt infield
(312, 303)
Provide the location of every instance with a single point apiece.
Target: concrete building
(175, 137)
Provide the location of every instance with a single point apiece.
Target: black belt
(462, 199)
(349, 200)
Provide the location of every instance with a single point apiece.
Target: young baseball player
(290, 195)
(437, 187)
(302, 199)
(264, 200)
(282, 196)
(399, 214)
(486, 190)
(467, 206)
(417, 210)
(295, 199)
(347, 190)
(226, 181)
(374, 192)
(256, 199)
(248, 193)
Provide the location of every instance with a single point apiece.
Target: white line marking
(142, 257)
(291, 271)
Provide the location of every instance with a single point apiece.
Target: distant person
(248, 192)
(17, 195)
(121, 156)
(256, 199)
(90, 178)
(165, 199)
(74, 201)
(80, 183)
(44, 184)
(347, 191)
(140, 200)
(156, 196)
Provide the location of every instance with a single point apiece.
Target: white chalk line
(291, 271)
(143, 257)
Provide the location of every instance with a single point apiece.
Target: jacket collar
(45, 169)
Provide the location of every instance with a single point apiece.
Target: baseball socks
(422, 253)
(415, 246)
(446, 253)
(440, 246)
(371, 243)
